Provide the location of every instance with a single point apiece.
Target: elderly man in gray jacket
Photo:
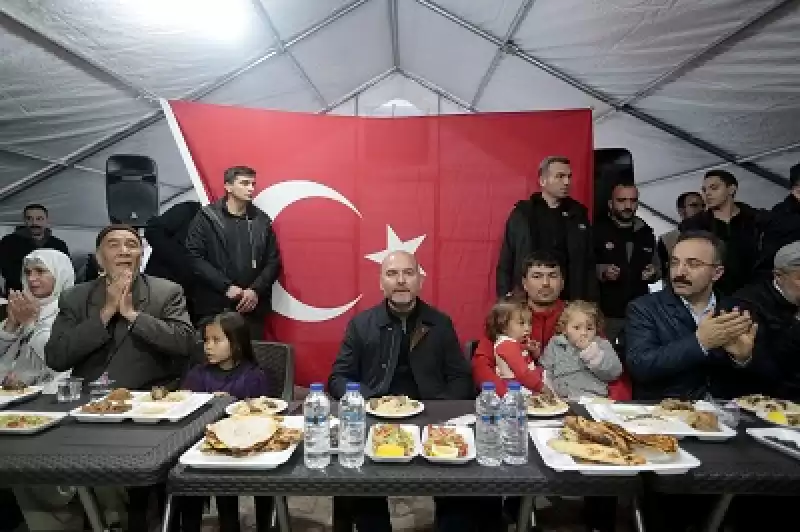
(131, 326)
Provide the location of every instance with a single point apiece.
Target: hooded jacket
(211, 262)
(519, 242)
(14, 248)
(22, 350)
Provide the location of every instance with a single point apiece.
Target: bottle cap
(486, 386)
(353, 386)
(317, 387)
(513, 385)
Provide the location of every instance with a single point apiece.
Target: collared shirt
(712, 302)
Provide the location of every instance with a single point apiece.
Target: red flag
(344, 190)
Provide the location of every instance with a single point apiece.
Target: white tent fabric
(686, 85)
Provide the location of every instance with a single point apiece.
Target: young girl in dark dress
(230, 368)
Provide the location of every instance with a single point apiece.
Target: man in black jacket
(550, 220)
(688, 204)
(675, 343)
(774, 305)
(625, 249)
(737, 224)
(166, 235)
(403, 346)
(234, 254)
(35, 234)
(783, 226)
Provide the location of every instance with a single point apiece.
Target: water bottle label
(489, 419)
(316, 420)
(352, 417)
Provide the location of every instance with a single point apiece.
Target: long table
(85, 455)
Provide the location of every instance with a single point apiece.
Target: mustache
(680, 279)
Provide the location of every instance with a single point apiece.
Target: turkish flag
(342, 191)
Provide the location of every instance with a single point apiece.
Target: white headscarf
(59, 265)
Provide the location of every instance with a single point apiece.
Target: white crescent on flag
(272, 200)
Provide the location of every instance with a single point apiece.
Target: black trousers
(453, 514)
(190, 513)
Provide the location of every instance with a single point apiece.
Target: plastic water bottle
(514, 426)
(352, 427)
(316, 428)
(487, 430)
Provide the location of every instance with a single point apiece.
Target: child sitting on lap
(508, 327)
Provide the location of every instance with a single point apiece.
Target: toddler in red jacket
(508, 327)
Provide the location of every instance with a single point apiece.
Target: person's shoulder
(576, 208)
(649, 302)
(78, 292)
(161, 285)
(432, 315)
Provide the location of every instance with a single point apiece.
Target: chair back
(277, 360)
(469, 348)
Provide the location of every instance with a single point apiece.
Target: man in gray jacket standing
(131, 326)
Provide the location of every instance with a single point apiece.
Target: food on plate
(246, 435)
(607, 443)
(106, 406)
(158, 393)
(703, 421)
(768, 404)
(392, 441)
(545, 403)
(12, 386)
(119, 394)
(784, 418)
(256, 406)
(393, 405)
(445, 442)
(671, 405)
(20, 421)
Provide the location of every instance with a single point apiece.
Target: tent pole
(357, 91)
(605, 98)
(394, 30)
(438, 90)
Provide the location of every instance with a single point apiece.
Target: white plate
(763, 415)
(782, 434)
(195, 458)
(419, 409)
(280, 403)
(468, 435)
(7, 398)
(55, 417)
(549, 413)
(671, 426)
(564, 462)
(413, 429)
(148, 411)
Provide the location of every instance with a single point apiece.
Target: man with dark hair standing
(234, 253)
(737, 224)
(625, 250)
(783, 226)
(550, 221)
(35, 234)
(688, 204)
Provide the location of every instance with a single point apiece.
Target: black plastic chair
(277, 360)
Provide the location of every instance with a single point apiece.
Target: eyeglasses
(692, 264)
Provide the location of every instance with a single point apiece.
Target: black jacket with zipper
(370, 350)
(211, 261)
(518, 243)
(782, 227)
(742, 238)
(610, 247)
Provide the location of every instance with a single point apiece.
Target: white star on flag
(393, 243)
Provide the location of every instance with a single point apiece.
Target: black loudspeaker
(611, 166)
(131, 189)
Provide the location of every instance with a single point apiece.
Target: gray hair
(544, 166)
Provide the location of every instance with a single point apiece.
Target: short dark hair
(237, 331)
(726, 177)
(542, 258)
(35, 206)
(681, 201)
(233, 172)
(711, 238)
(544, 166)
(501, 313)
(116, 227)
(794, 175)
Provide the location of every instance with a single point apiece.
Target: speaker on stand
(131, 189)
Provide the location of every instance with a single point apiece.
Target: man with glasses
(676, 341)
(688, 205)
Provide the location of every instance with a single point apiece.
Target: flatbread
(595, 453)
(243, 433)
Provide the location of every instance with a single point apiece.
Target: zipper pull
(253, 262)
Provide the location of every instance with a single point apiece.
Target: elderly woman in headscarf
(31, 313)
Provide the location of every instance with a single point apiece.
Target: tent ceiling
(684, 85)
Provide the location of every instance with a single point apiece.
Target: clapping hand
(23, 308)
(727, 327)
(118, 297)
(741, 349)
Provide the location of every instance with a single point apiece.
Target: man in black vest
(234, 254)
(550, 221)
(627, 262)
